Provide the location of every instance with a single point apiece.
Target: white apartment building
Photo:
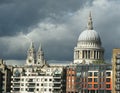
(37, 76)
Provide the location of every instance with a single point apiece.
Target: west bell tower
(30, 55)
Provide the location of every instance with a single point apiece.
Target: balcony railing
(57, 82)
(57, 87)
(117, 69)
(117, 76)
(16, 86)
(16, 80)
(118, 82)
(117, 89)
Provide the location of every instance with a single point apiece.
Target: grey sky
(57, 25)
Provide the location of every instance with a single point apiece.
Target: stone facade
(5, 77)
(116, 70)
(89, 47)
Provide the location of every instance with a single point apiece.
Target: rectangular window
(107, 79)
(95, 85)
(118, 79)
(22, 84)
(108, 74)
(50, 84)
(49, 89)
(118, 74)
(37, 89)
(108, 86)
(22, 89)
(118, 61)
(45, 84)
(89, 79)
(45, 89)
(89, 73)
(95, 73)
(78, 74)
(89, 85)
(95, 79)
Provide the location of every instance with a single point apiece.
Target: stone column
(78, 54)
(87, 54)
(98, 54)
(94, 54)
(82, 53)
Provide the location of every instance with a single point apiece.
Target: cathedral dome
(89, 48)
(89, 36)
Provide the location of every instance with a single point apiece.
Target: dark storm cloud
(55, 24)
(18, 15)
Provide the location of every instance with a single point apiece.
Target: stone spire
(31, 55)
(40, 48)
(40, 56)
(31, 50)
(90, 23)
(31, 45)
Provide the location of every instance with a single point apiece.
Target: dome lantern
(90, 23)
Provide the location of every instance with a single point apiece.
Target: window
(89, 73)
(89, 79)
(22, 89)
(37, 89)
(42, 79)
(45, 89)
(117, 91)
(95, 73)
(50, 79)
(45, 84)
(89, 85)
(108, 86)
(37, 79)
(95, 79)
(108, 74)
(107, 79)
(118, 67)
(49, 89)
(118, 79)
(118, 74)
(95, 85)
(118, 61)
(118, 86)
(78, 74)
(22, 84)
(45, 79)
(96, 67)
(41, 89)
